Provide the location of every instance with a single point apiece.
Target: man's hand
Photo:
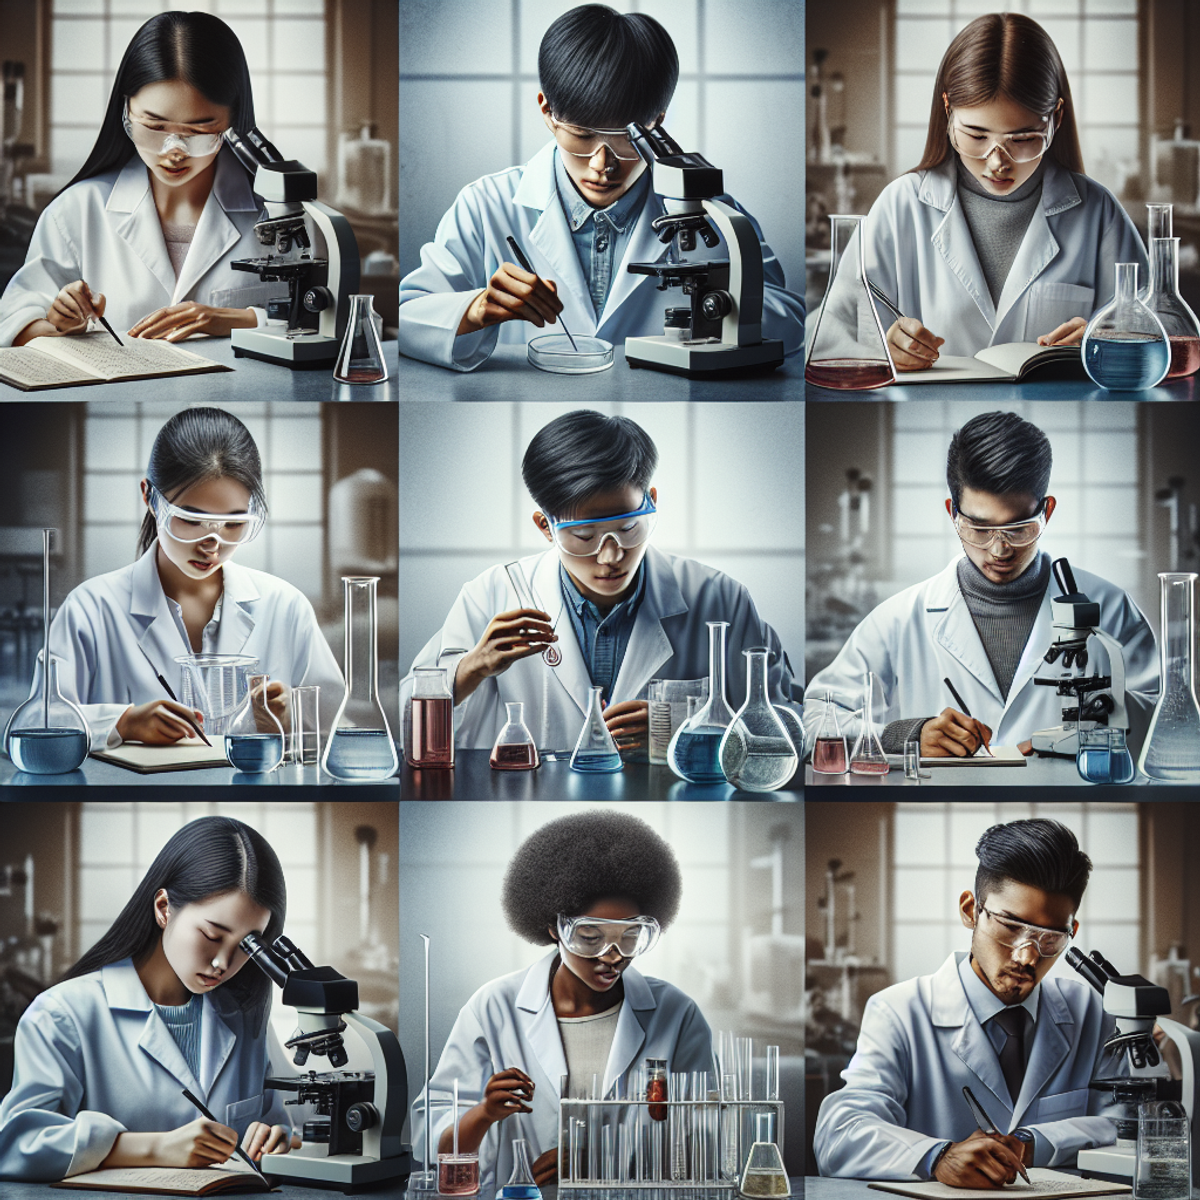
(984, 1160)
(629, 724)
(952, 733)
(513, 295)
(545, 1167)
(509, 637)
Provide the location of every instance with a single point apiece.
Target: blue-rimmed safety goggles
(583, 539)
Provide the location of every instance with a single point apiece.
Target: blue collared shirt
(603, 639)
(600, 234)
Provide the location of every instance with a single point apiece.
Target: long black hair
(196, 47)
(196, 445)
(207, 857)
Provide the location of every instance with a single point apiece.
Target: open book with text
(169, 1181)
(1015, 362)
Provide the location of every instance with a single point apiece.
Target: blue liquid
(48, 751)
(593, 761)
(361, 754)
(254, 753)
(519, 1191)
(1100, 765)
(697, 757)
(1126, 364)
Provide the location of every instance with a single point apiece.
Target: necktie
(1012, 1055)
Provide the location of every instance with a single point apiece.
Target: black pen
(110, 329)
(987, 1125)
(166, 687)
(966, 712)
(512, 241)
(204, 1112)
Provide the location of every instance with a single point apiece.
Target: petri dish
(553, 352)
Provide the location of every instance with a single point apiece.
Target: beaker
(254, 741)
(514, 749)
(695, 750)
(764, 1173)
(1171, 750)
(668, 710)
(360, 745)
(306, 725)
(520, 1185)
(595, 751)
(430, 718)
(360, 359)
(1162, 298)
(458, 1174)
(867, 757)
(1125, 346)
(756, 752)
(848, 349)
(1102, 756)
(215, 684)
(830, 754)
(1163, 1169)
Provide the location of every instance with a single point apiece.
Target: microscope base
(1058, 741)
(347, 1172)
(308, 353)
(705, 360)
(1112, 1162)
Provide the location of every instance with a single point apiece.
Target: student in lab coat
(581, 210)
(599, 887)
(159, 1004)
(118, 633)
(984, 622)
(997, 235)
(990, 1020)
(146, 231)
(611, 611)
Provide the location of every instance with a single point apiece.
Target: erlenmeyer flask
(695, 750)
(595, 751)
(756, 753)
(830, 755)
(514, 749)
(1125, 345)
(764, 1173)
(1162, 298)
(848, 349)
(520, 1185)
(867, 757)
(1171, 750)
(360, 745)
(430, 719)
(360, 359)
(254, 741)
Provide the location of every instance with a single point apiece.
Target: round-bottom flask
(1125, 347)
(514, 749)
(1162, 298)
(595, 751)
(254, 741)
(47, 735)
(695, 750)
(757, 753)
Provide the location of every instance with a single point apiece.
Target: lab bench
(1038, 772)
(550, 1191)
(290, 1191)
(1013, 393)
(472, 778)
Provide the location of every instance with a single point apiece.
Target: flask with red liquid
(430, 742)
(515, 749)
(830, 753)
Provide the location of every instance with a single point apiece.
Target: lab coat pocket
(240, 1115)
(1051, 304)
(1061, 1106)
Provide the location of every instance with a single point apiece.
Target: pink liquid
(848, 374)
(829, 756)
(432, 732)
(1185, 357)
(869, 768)
(514, 757)
(458, 1176)
(362, 375)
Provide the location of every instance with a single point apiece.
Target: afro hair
(569, 863)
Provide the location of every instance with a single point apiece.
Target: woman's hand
(74, 307)
(1069, 333)
(156, 723)
(545, 1167)
(200, 1143)
(512, 295)
(509, 637)
(279, 701)
(629, 724)
(913, 346)
(506, 1093)
(262, 1139)
(177, 321)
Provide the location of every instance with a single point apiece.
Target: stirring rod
(525, 263)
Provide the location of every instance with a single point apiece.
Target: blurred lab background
(730, 494)
(67, 870)
(1126, 477)
(736, 947)
(323, 73)
(329, 471)
(881, 904)
(469, 85)
(1135, 81)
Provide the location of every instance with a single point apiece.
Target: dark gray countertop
(45, 1191)
(1013, 393)
(1037, 772)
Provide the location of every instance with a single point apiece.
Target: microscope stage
(701, 360)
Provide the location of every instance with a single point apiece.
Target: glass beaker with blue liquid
(1103, 756)
(254, 741)
(1125, 346)
(695, 750)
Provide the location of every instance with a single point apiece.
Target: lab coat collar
(938, 187)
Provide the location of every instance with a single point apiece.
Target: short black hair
(1000, 453)
(1036, 852)
(573, 861)
(583, 453)
(602, 69)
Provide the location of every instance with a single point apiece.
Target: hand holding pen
(74, 306)
(987, 1126)
(954, 731)
(514, 293)
(205, 1113)
(912, 346)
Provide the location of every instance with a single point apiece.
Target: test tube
(656, 1150)
(772, 1073)
(564, 1127)
(677, 1130)
(576, 1155)
(608, 1168)
(697, 1130)
(593, 1130)
(520, 585)
(730, 1120)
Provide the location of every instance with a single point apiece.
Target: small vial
(656, 1087)
(458, 1174)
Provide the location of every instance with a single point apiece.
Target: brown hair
(1003, 54)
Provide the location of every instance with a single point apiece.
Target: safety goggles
(583, 539)
(581, 142)
(594, 937)
(161, 139)
(1016, 935)
(1022, 533)
(1016, 147)
(186, 525)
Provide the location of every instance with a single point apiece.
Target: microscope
(319, 289)
(1137, 1004)
(1087, 700)
(354, 1142)
(722, 330)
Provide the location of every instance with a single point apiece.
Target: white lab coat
(669, 641)
(106, 232)
(924, 634)
(116, 631)
(93, 1059)
(510, 1022)
(921, 1044)
(523, 202)
(919, 252)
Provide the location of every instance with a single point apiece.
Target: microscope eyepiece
(265, 959)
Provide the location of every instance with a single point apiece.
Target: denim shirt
(603, 640)
(600, 235)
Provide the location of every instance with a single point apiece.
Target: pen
(986, 1124)
(966, 712)
(110, 329)
(204, 1112)
(512, 241)
(166, 687)
(884, 300)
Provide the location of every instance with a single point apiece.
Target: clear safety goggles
(594, 937)
(1016, 147)
(581, 142)
(186, 525)
(1022, 533)
(583, 539)
(1016, 935)
(161, 139)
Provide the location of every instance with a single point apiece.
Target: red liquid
(848, 374)
(656, 1089)
(1185, 357)
(829, 756)
(362, 375)
(432, 732)
(515, 757)
(869, 768)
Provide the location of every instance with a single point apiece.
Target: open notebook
(169, 1181)
(1042, 1183)
(1014, 362)
(1002, 756)
(190, 754)
(54, 362)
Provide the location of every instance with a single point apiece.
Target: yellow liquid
(764, 1183)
